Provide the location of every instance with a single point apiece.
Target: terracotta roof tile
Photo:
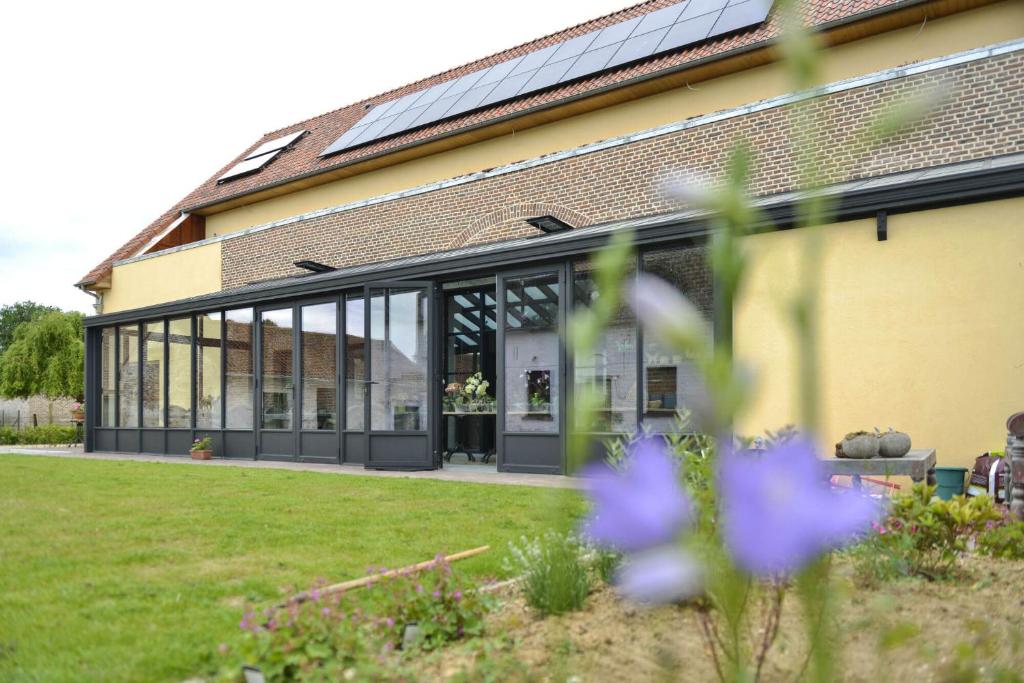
(304, 159)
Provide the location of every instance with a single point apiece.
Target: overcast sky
(113, 111)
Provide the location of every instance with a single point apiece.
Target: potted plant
(539, 405)
(475, 393)
(202, 449)
(78, 411)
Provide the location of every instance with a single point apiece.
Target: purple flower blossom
(419, 587)
(390, 622)
(779, 513)
(437, 594)
(325, 611)
(662, 575)
(457, 595)
(315, 595)
(640, 507)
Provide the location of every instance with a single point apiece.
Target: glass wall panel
(398, 357)
(611, 369)
(179, 373)
(320, 366)
(108, 375)
(531, 353)
(276, 329)
(128, 376)
(153, 375)
(355, 362)
(239, 380)
(208, 367)
(671, 382)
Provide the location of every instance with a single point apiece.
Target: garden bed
(911, 629)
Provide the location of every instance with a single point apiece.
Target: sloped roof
(303, 158)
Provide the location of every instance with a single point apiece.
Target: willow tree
(44, 357)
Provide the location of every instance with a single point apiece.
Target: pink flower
(457, 596)
(390, 622)
(437, 594)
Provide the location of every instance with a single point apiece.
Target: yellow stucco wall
(168, 277)
(922, 332)
(983, 26)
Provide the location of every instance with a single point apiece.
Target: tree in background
(45, 356)
(15, 314)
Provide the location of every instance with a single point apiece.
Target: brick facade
(979, 116)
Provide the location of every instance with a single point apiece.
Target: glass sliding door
(318, 398)
(179, 373)
(128, 376)
(277, 382)
(209, 330)
(670, 381)
(354, 448)
(611, 369)
(531, 359)
(108, 375)
(153, 375)
(239, 384)
(400, 368)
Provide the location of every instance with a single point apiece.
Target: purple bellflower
(639, 507)
(779, 512)
(641, 511)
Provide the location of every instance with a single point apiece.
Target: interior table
(918, 464)
(459, 448)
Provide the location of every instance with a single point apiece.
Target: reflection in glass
(128, 375)
(153, 375)
(398, 360)
(179, 373)
(208, 366)
(319, 366)
(611, 369)
(108, 372)
(277, 346)
(671, 382)
(531, 353)
(239, 385)
(355, 363)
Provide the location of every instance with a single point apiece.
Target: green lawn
(136, 571)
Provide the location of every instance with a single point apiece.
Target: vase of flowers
(475, 394)
(452, 397)
(78, 411)
(202, 449)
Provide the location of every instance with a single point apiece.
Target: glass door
(531, 362)
(400, 367)
(276, 389)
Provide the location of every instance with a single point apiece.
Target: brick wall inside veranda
(980, 115)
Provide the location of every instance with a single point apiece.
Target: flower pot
(860, 447)
(893, 444)
(202, 454)
(78, 415)
(950, 481)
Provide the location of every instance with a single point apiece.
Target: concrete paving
(476, 474)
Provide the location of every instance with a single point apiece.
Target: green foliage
(923, 535)
(45, 357)
(1006, 541)
(357, 635)
(203, 444)
(985, 658)
(15, 314)
(554, 571)
(43, 434)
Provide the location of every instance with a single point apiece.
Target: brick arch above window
(509, 222)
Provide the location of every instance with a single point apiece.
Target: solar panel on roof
(247, 166)
(275, 144)
(662, 30)
(261, 156)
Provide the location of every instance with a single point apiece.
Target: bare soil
(909, 630)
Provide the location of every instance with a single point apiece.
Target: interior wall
(922, 332)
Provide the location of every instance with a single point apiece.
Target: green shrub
(357, 636)
(43, 434)
(923, 535)
(554, 571)
(1006, 541)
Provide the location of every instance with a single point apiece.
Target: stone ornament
(893, 444)
(858, 445)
